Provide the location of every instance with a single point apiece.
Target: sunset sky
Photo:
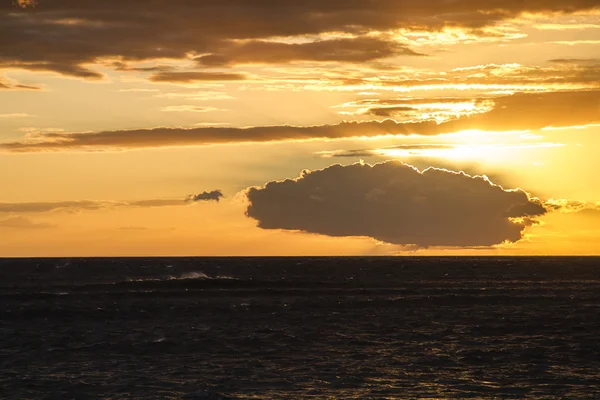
(315, 127)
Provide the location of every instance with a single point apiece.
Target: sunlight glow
(496, 151)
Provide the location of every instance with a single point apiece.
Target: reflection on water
(296, 328)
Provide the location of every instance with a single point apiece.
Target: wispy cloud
(23, 223)
(92, 205)
(15, 115)
(190, 108)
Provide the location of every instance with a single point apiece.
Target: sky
(318, 127)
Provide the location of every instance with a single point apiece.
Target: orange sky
(203, 128)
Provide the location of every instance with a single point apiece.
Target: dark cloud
(345, 50)
(516, 112)
(66, 35)
(23, 223)
(395, 203)
(410, 104)
(191, 77)
(74, 70)
(160, 137)
(576, 61)
(215, 195)
(347, 153)
(121, 66)
(389, 111)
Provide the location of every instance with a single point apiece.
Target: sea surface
(300, 328)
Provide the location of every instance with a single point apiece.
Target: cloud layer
(395, 203)
(66, 36)
(516, 112)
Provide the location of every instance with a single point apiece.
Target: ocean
(300, 328)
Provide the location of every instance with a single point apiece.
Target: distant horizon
(308, 256)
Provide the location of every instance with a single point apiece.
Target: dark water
(300, 328)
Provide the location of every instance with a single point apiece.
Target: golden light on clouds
(104, 101)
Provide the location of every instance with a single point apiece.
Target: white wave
(191, 275)
(184, 276)
(199, 275)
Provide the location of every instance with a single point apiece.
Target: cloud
(432, 150)
(133, 228)
(389, 111)
(6, 84)
(515, 112)
(215, 195)
(562, 74)
(571, 206)
(14, 115)
(66, 36)
(73, 70)
(141, 90)
(576, 61)
(536, 111)
(378, 152)
(23, 223)
(344, 50)
(121, 66)
(408, 101)
(82, 205)
(193, 77)
(190, 108)
(395, 203)
(92, 205)
(203, 95)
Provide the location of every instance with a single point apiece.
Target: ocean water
(300, 328)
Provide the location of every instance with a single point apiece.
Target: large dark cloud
(516, 112)
(395, 203)
(65, 35)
